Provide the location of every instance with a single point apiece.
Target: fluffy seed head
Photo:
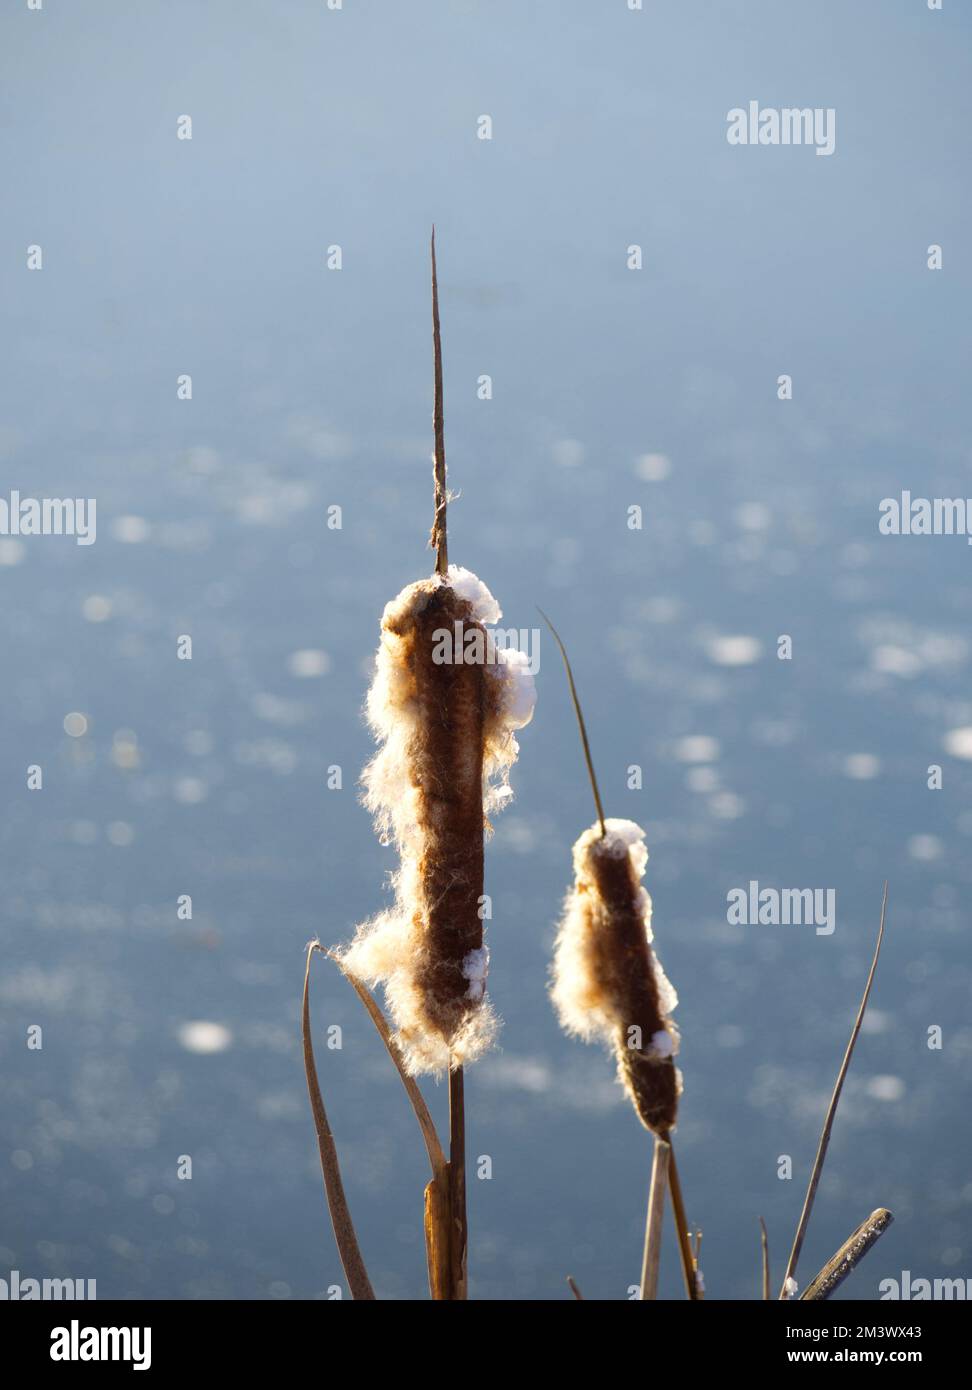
(607, 982)
(446, 734)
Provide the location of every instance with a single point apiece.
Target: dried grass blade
(832, 1109)
(764, 1242)
(437, 1158)
(575, 701)
(437, 1218)
(344, 1232)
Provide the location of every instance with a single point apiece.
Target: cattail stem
(832, 1110)
(681, 1227)
(764, 1243)
(849, 1256)
(653, 1225)
(438, 1237)
(440, 541)
(696, 1263)
(439, 537)
(457, 1181)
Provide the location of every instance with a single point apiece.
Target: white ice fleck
(653, 468)
(11, 552)
(925, 848)
(862, 767)
(895, 661)
(568, 453)
(734, 650)
(203, 1037)
(308, 663)
(130, 530)
(958, 742)
(697, 748)
(753, 516)
(888, 1088)
(96, 608)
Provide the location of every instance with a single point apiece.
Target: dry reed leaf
(344, 1232)
(789, 1278)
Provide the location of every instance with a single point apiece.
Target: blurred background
(611, 388)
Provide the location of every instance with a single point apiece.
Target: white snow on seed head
(520, 691)
(470, 587)
(475, 968)
(621, 837)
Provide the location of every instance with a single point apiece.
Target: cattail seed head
(607, 982)
(444, 705)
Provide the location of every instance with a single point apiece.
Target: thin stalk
(653, 1224)
(764, 1242)
(697, 1262)
(439, 537)
(681, 1227)
(832, 1110)
(580, 721)
(849, 1256)
(438, 1237)
(457, 1181)
(344, 1232)
(574, 1289)
(439, 540)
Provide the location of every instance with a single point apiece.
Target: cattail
(608, 984)
(607, 981)
(444, 705)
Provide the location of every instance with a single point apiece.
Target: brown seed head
(607, 981)
(447, 744)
